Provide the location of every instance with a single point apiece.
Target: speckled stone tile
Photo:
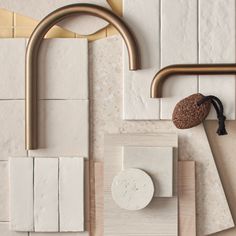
(106, 117)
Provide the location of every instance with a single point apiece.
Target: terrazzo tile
(12, 138)
(63, 128)
(217, 45)
(4, 192)
(63, 69)
(12, 64)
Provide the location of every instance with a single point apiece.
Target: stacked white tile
(217, 45)
(143, 19)
(46, 195)
(158, 162)
(21, 194)
(71, 194)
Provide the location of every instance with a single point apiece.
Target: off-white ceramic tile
(5, 231)
(71, 194)
(217, 45)
(63, 69)
(137, 102)
(12, 136)
(46, 195)
(63, 128)
(21, 194)
(178, 45)
(59, 234)
(122, 222)
(4, 191)
(12, 64)
(157, 162)
(80, 24)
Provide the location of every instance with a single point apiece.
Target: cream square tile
(63, 69)
(63, 128)
(12, 64)
(12, 138)
(137, 102)
(46, 195)
(178, 45)
(5, 231)
(71, 194)
(157, 162)
(4, 192)
(217, 45)
(21, 194)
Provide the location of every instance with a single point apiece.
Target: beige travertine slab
(187, 199)
(106, 74)
(156, 219)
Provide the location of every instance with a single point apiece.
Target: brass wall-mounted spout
(188, 69)
(32, 56)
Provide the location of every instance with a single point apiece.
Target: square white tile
(12, 138)
(63, 128)
(158, 162)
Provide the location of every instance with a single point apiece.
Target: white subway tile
(71, 194)
(46, 195)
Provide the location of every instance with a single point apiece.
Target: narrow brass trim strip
(32, 56)
(188, 69)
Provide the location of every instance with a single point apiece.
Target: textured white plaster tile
(217, 45)
(63, 128)
(63, 69)
(21, 194)
(178, 45)
(71, 194)
(5, 231)
(46, 194)
(12, 136)
(143, 19)
(157, 162)
(12, 67)
(82, 24)
(4, 192)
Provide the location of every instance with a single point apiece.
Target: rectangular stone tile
(137, 102)
(12, 138)
(178, 45)
(4, 191)
(63, 69)
(217, 45)
(63, 128)
(157, 162)
(5, 231)
(71, 194)
(46, 195)
(12, 67)
(21, 194)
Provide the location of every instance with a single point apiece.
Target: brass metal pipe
(188, 69)
(32, 56)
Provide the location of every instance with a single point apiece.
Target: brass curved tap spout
(32, 56)
(188, 69)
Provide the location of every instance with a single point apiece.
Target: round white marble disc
(132, 189)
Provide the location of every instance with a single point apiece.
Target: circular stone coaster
(132, 189)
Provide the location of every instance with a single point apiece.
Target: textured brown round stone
(188, 114)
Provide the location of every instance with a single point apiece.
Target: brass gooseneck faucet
(32, 56)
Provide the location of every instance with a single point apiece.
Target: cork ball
(188, 114)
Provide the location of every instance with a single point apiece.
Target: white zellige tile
(178, 45)
(5, 231)
(143, 19)
(12, 67)
(63, 69)
(21, 194)
(12, 138)
(46, 195)
(63, 128)
(217, 45)
(4, 192)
